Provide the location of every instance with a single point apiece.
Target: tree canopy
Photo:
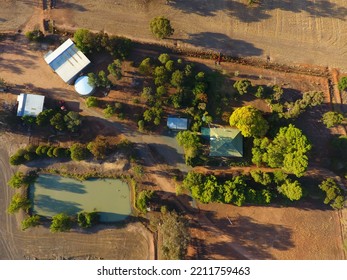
(161, 27)
(250, 121)
(331, 119)
(190, 143)
(60, 222)
(288, 150)
(335, 196)
(291, 190)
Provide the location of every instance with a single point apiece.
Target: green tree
(78, 152)
(143, 199)
(85, 40)
(291, 190)
(335, 196)
(342, 84)
(18, 201)
(145, 66)
(177, 79)
(141, 125)
(161, 27)
(170, 65)
(242, 86)
(35, 35)
(190, 143)
(261, 177)
(60, 222)
(31, 221)
(250, 121)
(44, 117)
(288, 150)
(87, 219)
(72, 121)
(57, 121)
(331, 119)
(163, 58)
(109, 111)
(92, 101)
(20, 179)
(99, 147)
(115, 69)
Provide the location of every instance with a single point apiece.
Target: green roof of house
(224, 142)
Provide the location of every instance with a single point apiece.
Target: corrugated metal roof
(67, 61)
(224, 142)
(177, 123)
(30, 104)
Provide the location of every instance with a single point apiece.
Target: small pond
(52, 194)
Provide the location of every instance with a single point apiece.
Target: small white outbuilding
(30, 104)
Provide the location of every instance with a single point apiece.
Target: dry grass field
(288, 31)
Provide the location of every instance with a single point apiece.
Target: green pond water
(52, 194)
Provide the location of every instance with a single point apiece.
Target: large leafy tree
(161, 27)
(250, 121)
(85, 40)
(190, 143)
(288, 150)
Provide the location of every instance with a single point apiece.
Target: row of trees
(59, 119)
(88, 42)
(259, 188)
(99, 149)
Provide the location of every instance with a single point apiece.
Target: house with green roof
(224, 142)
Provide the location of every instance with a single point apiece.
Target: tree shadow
(216, 41)
(48, 204)
(54, 182)
(70, 6)
(251, 237)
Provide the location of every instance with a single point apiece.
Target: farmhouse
(224, 142)
(177, 123)
(67, 61)
(30, 104)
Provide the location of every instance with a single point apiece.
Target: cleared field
(14, 14)
(289, 31)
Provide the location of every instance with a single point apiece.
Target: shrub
(18, 202)
(92, 101)
(163, 58)
(35, 35)
(242, 86)
(334, 194)
(145, 66)
(141, 125)
(78, 152)
(342, 83)
(331, 119)
(143, 199)
(109, 111)
(87, 219)
(31, 221)
(60, 222)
